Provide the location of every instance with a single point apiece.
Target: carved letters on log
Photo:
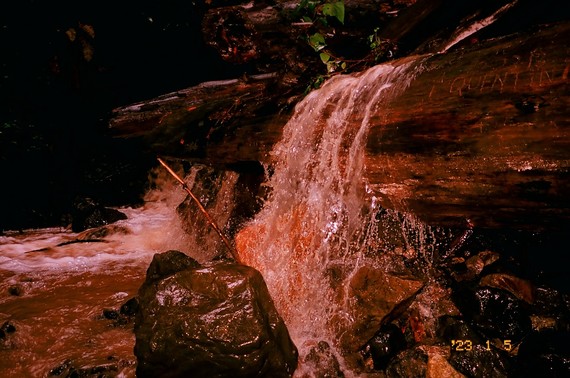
(481, 134)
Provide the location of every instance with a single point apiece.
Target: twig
(203, 210)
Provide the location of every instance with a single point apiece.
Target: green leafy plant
(321, 19)
(317, 42)
(374, 40)
(315, 83)
(380, 48)
(318, 13)
(334, 9)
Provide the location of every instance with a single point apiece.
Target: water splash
(317, 226)
(152, 228)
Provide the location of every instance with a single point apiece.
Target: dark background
(64, 66)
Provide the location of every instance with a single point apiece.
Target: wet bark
(220, 123)
(481, 134)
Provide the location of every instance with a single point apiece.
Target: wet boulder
(478, 361)
(453, 328)
(379, 298)
(551, 302)
(438, 364)
(130, 307)
(470, 353)
(495, 313)
(410, 363)
(522, 289)
(386, 343)
(321, 362)
(209, 321)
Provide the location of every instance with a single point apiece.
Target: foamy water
(150, 229)
(55, 293)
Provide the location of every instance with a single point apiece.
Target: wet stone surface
(495, 313)
(209, 321)
(480, 362)
(410, 363)
(386, 343)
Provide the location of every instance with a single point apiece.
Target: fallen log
(221, 122)
(482, 134)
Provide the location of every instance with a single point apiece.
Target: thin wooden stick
(203, 210)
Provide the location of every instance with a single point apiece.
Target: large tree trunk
(222, 123)
(481, 134)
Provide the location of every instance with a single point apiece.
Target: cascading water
(316, 232)
(316, 228)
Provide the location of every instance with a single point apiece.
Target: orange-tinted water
(59, 317)
(54, 295)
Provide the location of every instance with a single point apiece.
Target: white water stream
(318, 227)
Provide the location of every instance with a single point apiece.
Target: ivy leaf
(317, 41)
(335, 10)
(325, 57)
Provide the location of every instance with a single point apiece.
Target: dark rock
(410, 363)
(16, 290)
(549, 302)
(168, 263)
(69, 370)
(89, 214)
(130, 307)
(479, 362)
(545, 354)
(494, 312)
(8, 327)
(102, 232)
(522, 289)
(125, 315)
(474, 265)
(385, 344)
(322, 362)
(452, 328)
(59, 370)
(110, 314)
(381, 297)
(209, 321)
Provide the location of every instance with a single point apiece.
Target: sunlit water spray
(318, 225)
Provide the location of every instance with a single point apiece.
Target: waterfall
(317, 226)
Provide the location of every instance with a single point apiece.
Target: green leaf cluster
(335, 10)
(317, 42)
(318, 13)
